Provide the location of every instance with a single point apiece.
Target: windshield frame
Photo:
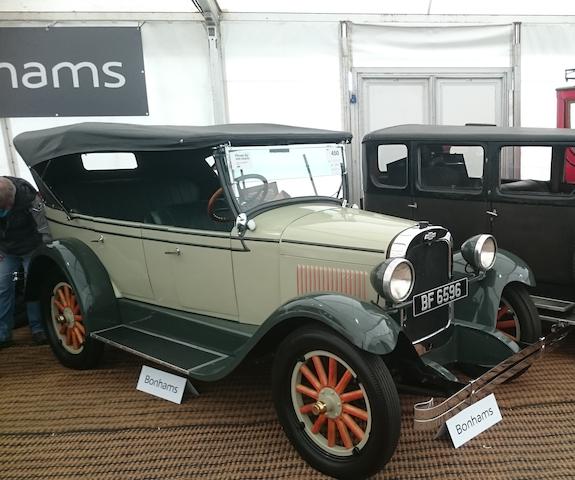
(221, 154)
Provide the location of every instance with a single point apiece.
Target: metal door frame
(361, 75)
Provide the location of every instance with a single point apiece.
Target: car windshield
(261, 175)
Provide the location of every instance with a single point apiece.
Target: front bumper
(431, 415)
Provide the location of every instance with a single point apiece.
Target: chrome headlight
(480, 251)
(393, 279)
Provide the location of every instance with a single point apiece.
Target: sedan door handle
(99, 240)
(493, 212)
(412, 205)
(177, 251)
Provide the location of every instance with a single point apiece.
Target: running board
(553, 304)
(555, 310)
(182, 357)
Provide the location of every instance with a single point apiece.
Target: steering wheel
(250, 194)
(217, 213)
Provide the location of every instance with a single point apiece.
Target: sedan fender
(84, 271)
(482, 302)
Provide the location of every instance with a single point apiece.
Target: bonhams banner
(69, 71)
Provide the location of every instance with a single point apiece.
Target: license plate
(439, 297)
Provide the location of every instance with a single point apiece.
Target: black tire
(88, 353)
(379, 403)
(521, 311)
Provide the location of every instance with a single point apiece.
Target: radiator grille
(311, 278)
(432, 269)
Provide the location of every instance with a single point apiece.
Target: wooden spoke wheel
(331, 404)
(67, 318)
(337, 404)
(67, 329)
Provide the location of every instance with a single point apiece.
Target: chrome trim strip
(179, 342)
(138, 353)
(215, 360)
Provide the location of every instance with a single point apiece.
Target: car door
(451, 188)
(535, 214)
(387, 186)
(191, 269)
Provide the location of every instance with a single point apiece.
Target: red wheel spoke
(63, 329)
(344, 433)
(318, 423)
(502, 311)
(351, 396)
(306, 408)
(319, 370)
(69, 336)
(60, 293)
(330, 432)
(506, 324)
(354, 427)
(306, 391)
(78, 335)
(59, 306)
(80, 327)
(307, 373)
(345, 379)
(332, 372)
(356, 412)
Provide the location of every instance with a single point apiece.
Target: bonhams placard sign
(69, 71)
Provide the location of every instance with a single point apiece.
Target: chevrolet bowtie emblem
(429, 236)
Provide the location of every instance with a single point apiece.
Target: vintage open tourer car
(515, 183)
(195, 246)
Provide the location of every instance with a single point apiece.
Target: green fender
(481, 304)
(362, 323)
(84, 272)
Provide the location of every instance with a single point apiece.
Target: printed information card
(162, 384)
(473, 420)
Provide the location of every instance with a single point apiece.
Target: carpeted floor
(57, 423)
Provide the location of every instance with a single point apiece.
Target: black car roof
(470, 133)
(41, 145)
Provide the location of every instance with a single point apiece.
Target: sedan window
(450, 167)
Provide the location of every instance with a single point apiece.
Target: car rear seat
(526, 186)
(130, 199)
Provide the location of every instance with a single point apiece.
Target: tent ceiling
(358, 7)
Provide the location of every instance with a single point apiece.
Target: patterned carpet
(57, 423)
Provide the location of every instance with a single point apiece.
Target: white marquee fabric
(424, 46)
(283, 73)
(546, 51)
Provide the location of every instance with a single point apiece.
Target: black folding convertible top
(471, 134)
(41, 145)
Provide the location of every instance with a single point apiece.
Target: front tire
(67, 332)
(337, 404)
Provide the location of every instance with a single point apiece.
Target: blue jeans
(9, 267)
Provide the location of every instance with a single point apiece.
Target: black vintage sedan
(511, 182)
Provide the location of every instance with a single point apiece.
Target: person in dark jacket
(23, 228)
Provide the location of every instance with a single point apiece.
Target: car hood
(345, 228)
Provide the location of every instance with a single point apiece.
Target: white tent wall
(177, 80)
(546, 51)
(425, 46)
(283, 72)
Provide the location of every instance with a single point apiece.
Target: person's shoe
(39, 338)
(5, 343)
